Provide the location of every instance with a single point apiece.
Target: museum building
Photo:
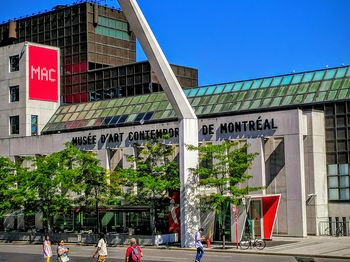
(299, 124)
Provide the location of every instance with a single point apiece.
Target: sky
(231, 40)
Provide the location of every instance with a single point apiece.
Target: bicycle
(258, 243)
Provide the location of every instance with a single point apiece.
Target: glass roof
(263, 93)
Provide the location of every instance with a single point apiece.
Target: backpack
(135, 254)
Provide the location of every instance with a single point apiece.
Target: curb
(256, 253)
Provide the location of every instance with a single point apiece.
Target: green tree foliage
(55, 183)
(152, 175)
(8, 186)
(223, 168)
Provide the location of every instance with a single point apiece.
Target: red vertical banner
(270, 208)
(43, 73)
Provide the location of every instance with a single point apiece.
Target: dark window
(14, 93)
(14, 63)
(14, 125)
(34, 125)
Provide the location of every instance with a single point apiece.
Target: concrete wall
(300, 133)
(25, 107)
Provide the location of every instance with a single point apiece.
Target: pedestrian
(101, 249)
(133, 252)
(198, 238)
(47, 251)
(62, 252)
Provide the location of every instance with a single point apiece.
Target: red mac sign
(43, 73)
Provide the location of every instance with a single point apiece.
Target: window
(14, 63)
(14, 125)
(338, 182)
(14, 93)
(34, 125)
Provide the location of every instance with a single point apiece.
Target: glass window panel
(343, 169)
(330, 74)
(318, 75)
(121, 110)
(210, 90)
(201, 91)
(320, 96)
(247, 85)
(217, 108)
(66, 117)
(82, 115)
(213, 99)
(276, 81)
(266, 82)
(199, 110)
(245, 105)
(72, 109)
(341, 72)
(266, 102)
(348, 72)
(298, 99)
(59, 118)
(256, 84)
(336, 84)
(97, 113)
(207, 109)
(259, 93)
(187, 91)
(332, 170)
(228, 88)
(287, 100)
(193, 92)
(343, 93)
(344, 194)
(241, 96)
(325, 85)
(292, 90)
(303, 88)
(332, 181)
(219, 89)
(344, 181)
(255, 104)
(114, 120)
(309, 98)
(148, 116)
(282, 90)
(250, 94)
(131, 118)
(287, 79)
(80, 107)
(270, 92)
(122, 119)
(341, 144)
(314, 87)
(308, 77)
(276, 101)
(333, 194)
(297, 78)
(237, 86)
(331, 95)
(235, 106)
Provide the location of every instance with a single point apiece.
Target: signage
(257, 125)
(43, 73)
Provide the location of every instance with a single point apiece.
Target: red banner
(43, 73)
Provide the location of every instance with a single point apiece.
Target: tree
(223, 168)
(155, 174)
(46, 187)
(8, 187)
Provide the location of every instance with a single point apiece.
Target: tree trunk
(223, 227)
(97, 213)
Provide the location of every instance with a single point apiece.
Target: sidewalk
(311, 246)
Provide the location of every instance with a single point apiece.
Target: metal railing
(334, 228)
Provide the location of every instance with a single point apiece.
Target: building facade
(297, 123)
(90, 37)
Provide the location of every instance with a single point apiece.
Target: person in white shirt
(101, 249)
(47, 251)
(198, 238)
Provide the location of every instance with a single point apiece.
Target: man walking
(133, 252)
(101, 249)
(198, 238)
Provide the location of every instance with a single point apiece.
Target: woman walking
(47, 251)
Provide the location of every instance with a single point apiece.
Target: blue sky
(229, 40)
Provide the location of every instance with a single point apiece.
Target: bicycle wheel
(260, 244)
(244, 244)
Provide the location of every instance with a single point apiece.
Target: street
(32, 253)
